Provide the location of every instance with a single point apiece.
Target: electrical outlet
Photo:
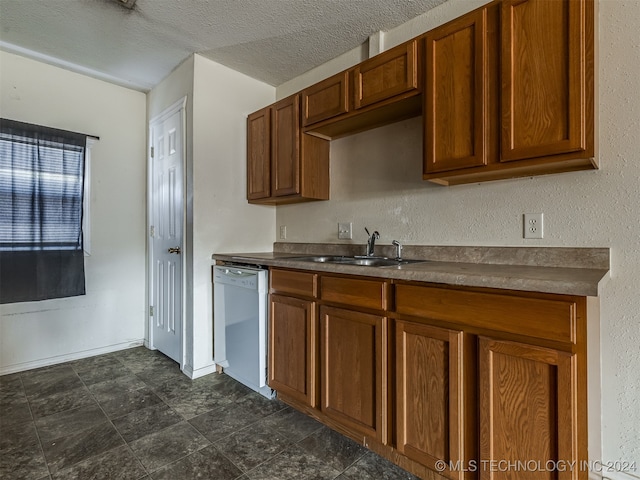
(283, 232)
(345, 230)
(533, 225)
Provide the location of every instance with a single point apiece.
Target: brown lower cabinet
(352, 352)
(430, 410)
(528, 407)
(447, 382)
(293, 336)
(291, 340)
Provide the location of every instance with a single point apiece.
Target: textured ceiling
(271, 40)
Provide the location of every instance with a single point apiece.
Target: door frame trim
(178, 106)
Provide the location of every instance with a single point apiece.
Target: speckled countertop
(562, 270)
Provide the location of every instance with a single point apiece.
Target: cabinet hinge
(152, 231)
(151, 152)
(151, 310)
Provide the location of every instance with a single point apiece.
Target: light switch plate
(533, 225)
(345, 230)
(283, 232)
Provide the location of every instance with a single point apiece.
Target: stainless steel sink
(322, 259)
(357, 260)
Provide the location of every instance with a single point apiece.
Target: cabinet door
(527, 410)
(543, 78)
(456, 94)
(353, 355)
(292, 352)
(259, 154)
(285, 147)
(325, 99)
(429, 387)
(388, 74)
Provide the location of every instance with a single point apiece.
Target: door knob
(174, 250)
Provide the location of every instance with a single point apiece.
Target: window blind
(41, 190)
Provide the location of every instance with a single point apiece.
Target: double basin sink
(356, 260)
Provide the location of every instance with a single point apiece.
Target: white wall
(111, 315)
(223, 221)
(375, 182)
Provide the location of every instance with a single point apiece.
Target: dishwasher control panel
(240, 277)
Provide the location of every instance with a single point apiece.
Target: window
(42, 173)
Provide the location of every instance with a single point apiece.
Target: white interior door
(167, 198)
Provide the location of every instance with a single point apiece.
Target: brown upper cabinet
(381, 90)
(534, 58)
(507, 90)
(545, 50)
(456, 94)
(284, 165)
(285, 147)
(259, 154)
(325, 99)
(386, 75)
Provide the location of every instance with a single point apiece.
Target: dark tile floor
(134, 415)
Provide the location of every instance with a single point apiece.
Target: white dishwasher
(240, 315)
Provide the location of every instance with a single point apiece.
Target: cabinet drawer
(296, 283)
(325, 99)
(355, 292)
(545, 318)
(388, 74)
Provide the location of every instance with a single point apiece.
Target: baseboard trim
(45, 362)
(200, 372)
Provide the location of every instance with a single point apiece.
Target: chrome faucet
(371, 242)
(398, 246)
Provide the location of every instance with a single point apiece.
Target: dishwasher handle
(235, 273)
